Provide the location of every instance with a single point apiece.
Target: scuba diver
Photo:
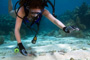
(31, 11)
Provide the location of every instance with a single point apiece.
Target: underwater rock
(76, 10)
(80, 16)
(52, 52)
(43, 33)
(2, 32)
(66, 16)
(3, 57)
(1, 40)
(70, 22)
(63, 51)
(84, 14)
(78, 34)
(88, 43)
(63, 34)
(87, 34)
(12, 36)
(51, 33)
(71, 58)
(74, 48)
(6, 24)
(2, 53)
(42, 54)
(56, 33)
(87, 13)
(84, 48)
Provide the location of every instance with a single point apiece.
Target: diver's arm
(10, 9)
(22, 49)
(18, 24)
(57, 22)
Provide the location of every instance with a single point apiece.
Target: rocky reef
(79, 17)
(1, 40)
(7, 25)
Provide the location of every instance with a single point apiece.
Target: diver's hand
(69, 29)
(22, 49)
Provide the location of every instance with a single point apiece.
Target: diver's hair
(32, 3)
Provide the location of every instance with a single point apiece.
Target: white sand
(76, 55)
(65, 48)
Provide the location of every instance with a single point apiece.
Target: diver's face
(35, 12)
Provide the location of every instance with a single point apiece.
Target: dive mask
(35, 13)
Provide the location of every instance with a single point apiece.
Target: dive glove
(69, 29)
(22, 49)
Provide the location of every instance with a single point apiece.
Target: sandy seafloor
(49, 48)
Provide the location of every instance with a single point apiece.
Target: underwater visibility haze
(52, 42)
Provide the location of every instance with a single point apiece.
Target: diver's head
(33, 4)
(35, 12)
(35, 7)
(36, 4)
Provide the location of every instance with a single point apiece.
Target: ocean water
(70, 12)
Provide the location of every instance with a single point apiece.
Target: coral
(56, 33)
(79, 18)
(70, 22)
(2, 32)
(84, 48)
(87, 34)
(62, 50)
(6, 23)
(78, 23)
(1, 40)
(84, 14)
(80, 15)
(88, 43)
(66, 16)
(78, 34)
(88, 12)
(82, 10)
(42, 54)
(51, 33)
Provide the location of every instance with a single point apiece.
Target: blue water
(61, 5)
(60, 8)
(50, 36)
